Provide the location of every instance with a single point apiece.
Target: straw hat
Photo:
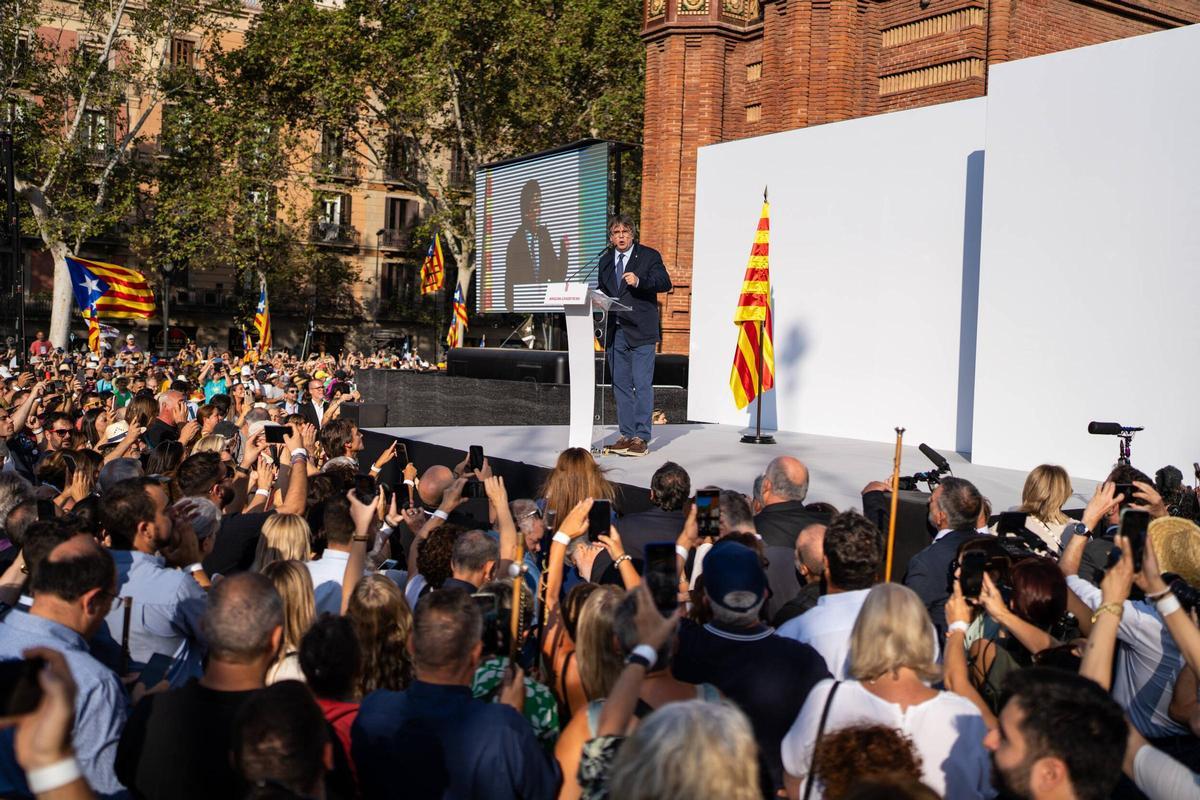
(1176, 542)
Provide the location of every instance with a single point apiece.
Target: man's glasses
(60, 431)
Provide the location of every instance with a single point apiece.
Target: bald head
(786, 479)
(433, 483)
(810, 551)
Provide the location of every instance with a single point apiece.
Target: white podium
(579, 301)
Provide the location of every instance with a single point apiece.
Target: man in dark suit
(670, 488)
(530, 256)
(954, 509)
(784, 487)
(313, 409)
(634, 275)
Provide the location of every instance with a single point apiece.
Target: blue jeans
(633, 385)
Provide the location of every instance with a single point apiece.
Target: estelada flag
(107, 290)
(93, 332)
(262, 318)
(433, 269)
(753, 314)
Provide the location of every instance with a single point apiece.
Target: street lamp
(166, 268)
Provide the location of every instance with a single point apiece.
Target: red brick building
(718, 70)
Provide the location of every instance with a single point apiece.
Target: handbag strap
(820, 732)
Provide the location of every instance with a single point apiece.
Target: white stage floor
(712, 454)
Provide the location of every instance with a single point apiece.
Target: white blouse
(947, 732)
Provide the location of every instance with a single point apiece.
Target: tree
(80, 98)
(430, 91)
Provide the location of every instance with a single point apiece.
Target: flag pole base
(758, 438)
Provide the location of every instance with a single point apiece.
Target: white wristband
(53, 776)
(561, 538)
(262, 492)
(194, 568)
(375, 468)
(647, 652)
(442, 515)
(681, 551)
(1168, 605)
(409, 483)
(299, 451)
(957, 625)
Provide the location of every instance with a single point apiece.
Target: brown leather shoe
(620, 445)
(637, 447)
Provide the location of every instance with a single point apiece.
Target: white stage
(712, 454)
(991, 274)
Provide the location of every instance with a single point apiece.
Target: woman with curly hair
(432, 562)
(383, 623)
(847, 757)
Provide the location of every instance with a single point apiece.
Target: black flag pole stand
(758, 437)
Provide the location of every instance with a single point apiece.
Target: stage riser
(416, 399)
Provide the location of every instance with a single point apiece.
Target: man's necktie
(620, 268)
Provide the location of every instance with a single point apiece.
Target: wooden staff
(514, 645)
(891, 540)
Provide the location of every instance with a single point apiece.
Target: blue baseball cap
(734, 577)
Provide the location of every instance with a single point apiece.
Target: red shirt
(341, 716)
(41, 348)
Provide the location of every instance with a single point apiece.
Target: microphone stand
(588, 270)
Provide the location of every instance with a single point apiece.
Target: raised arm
(1097, 660)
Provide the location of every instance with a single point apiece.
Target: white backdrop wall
(874, 248)
(1091, 256)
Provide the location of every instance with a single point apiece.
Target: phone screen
(970, 576)
(708, 512)
(20, 691)
(155, 670)
(599, 519)
(365, 488)
(275, 433)
(402, 454)
(662, 576)
(475, 457)
(1134, 524)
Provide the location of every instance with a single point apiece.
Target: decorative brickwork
(718, 70)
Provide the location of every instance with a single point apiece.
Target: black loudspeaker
(366, 415)
(912, 530)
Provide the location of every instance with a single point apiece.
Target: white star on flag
(92, 285)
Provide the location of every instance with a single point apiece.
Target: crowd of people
(206, 591)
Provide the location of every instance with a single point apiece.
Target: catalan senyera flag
(262, 317)
(753, 315)
(246, 345)
(107, 290)
(452, 334)
(93, 332)
(433, 269)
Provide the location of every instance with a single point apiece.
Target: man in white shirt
(852, 560)
(328, 571)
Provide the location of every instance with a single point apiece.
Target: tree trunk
(60, 306)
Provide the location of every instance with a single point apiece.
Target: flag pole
(757, 437)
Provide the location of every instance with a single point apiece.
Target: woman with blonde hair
(576, 476)
(384, 623)
(892, 662)
(285, 537)
(600, 661)
(1047, 488)
(688, 749)
(292, 581)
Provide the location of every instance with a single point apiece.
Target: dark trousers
(633, 385)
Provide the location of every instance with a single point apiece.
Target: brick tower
(718, 70)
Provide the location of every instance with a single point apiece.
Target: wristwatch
(1077, 529)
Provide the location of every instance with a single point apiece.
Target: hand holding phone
(475, 458)
(662, 576)
(708, 513)
(1134, 526)
(970, 576)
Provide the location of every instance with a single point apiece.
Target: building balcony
(341, 168)
(396, 239)
(333, 234)
(402, 173)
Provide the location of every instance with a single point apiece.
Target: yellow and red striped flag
(262, 318)
(108, 290)
(752, 316)
(433, 269)
(93, 332)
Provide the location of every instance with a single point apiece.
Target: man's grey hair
(782, 485)
(340, 461)
(623, 219)
(522, 514)
(473, 550)
(735, 512)
(757, 490)
(207, 517)
(736, 619)
(256, 415)
(243, 611)
(14, 491)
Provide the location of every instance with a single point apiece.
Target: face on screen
(621, 237)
